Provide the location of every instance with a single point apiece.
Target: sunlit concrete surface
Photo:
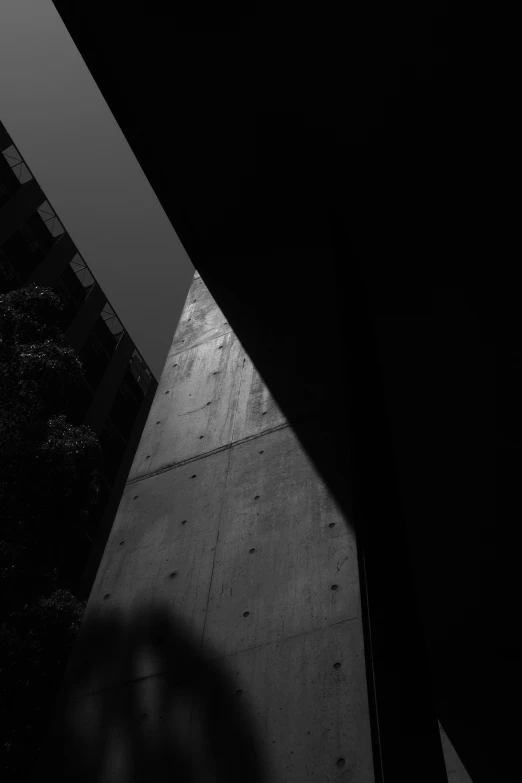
(227, 599)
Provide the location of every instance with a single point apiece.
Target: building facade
(118, 387)
(229, 549)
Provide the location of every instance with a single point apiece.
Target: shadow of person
(142, 701)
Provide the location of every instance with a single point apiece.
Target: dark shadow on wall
(155, 707)
(388, 387)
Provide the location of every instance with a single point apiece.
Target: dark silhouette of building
(322, 167)
(118, 387)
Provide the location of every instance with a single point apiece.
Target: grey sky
(62, 126)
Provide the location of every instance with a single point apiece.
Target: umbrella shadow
(142, 701)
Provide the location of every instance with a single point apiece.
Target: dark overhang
(310, 160)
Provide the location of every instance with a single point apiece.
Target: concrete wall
(228, 542)
(456, 770)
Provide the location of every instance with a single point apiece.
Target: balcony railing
(139, 371)
(18, 165)
(50, 219)
(112, 322)
(82, 271)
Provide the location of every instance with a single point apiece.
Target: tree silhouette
(48, 484)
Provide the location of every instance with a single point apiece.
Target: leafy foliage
(49, 481)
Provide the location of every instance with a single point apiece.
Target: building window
(74, 284)
(82, 272)
(50, 220)
(105, 336)
(140, 372)
(17, 164)
(112, 322)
